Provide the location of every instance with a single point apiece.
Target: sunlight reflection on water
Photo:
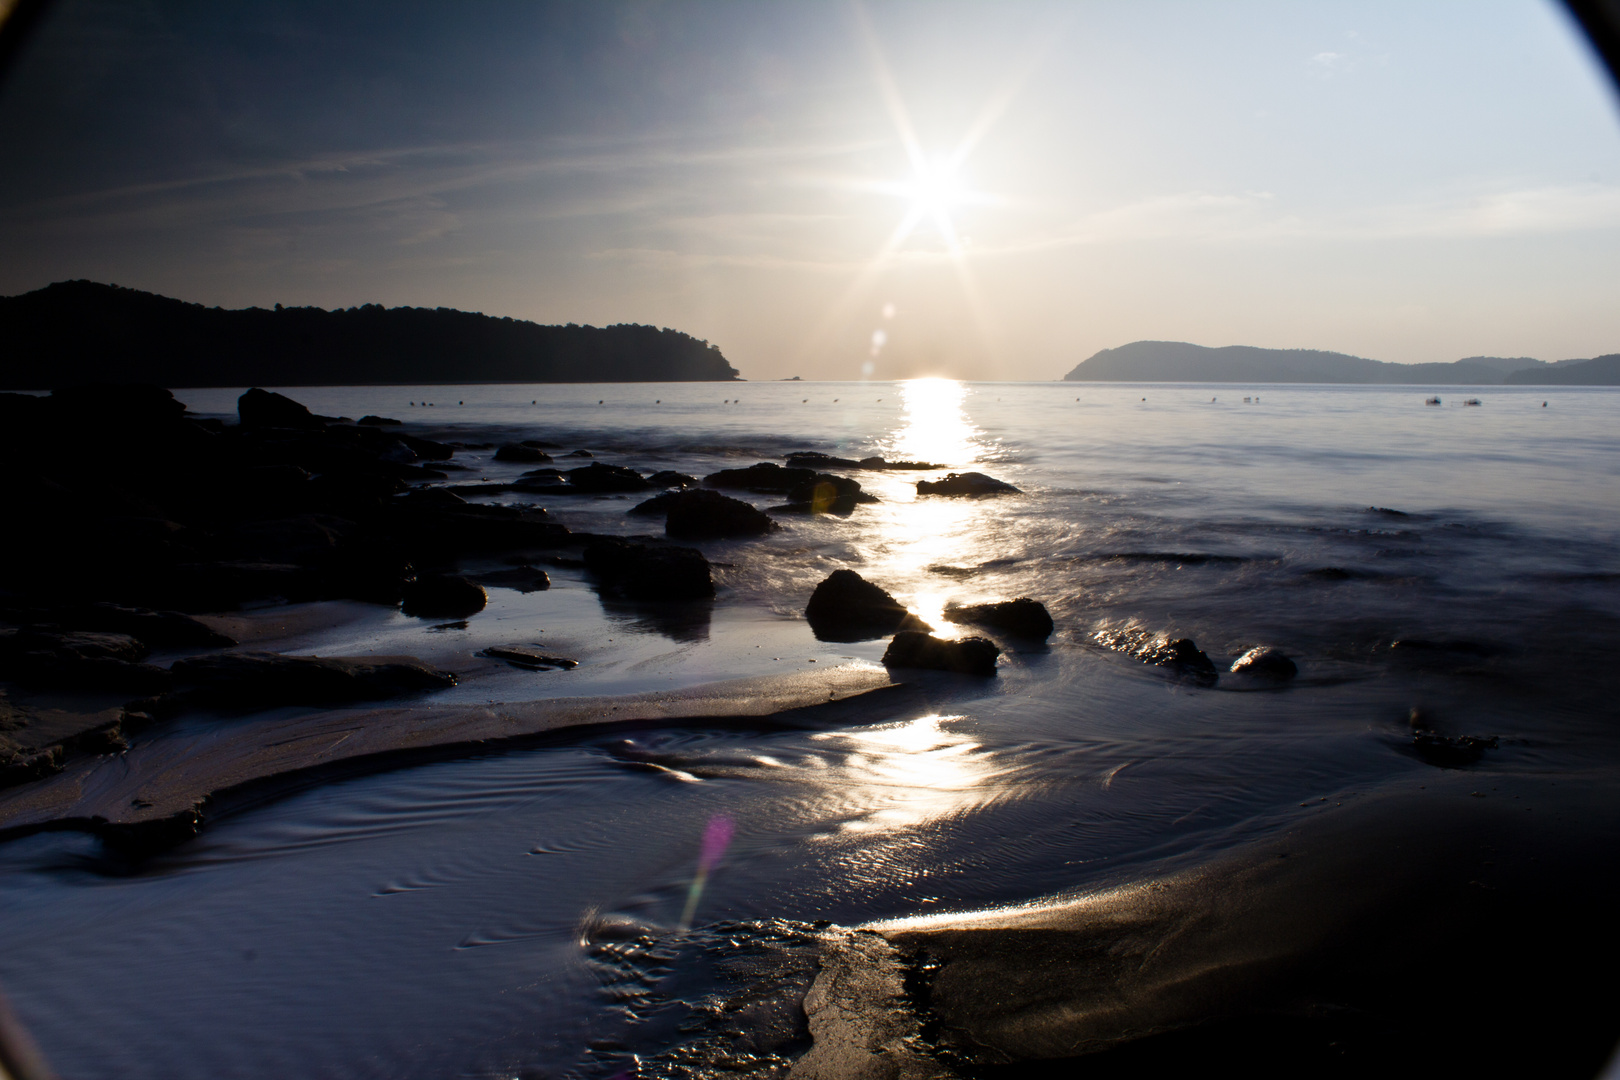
(906, 775)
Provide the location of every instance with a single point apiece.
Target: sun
(933, 189)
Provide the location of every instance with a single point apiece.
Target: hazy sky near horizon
(983, 190)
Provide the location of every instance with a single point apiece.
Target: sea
(649, 903)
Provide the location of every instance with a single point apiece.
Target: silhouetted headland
(80, 332)
(1178, 361)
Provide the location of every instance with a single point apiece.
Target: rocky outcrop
(709, 515)
(847, 607)
(1022, 617)
(967, 656)
(1179, 655)
(266, 409)
(597, 478)
(524, 455)
(968, 483)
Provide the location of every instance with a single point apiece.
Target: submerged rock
(597, 477)
(916, 649)
(911, 466)
(815, 459)
(702, 515)
(1265, 662)
(847, 607)
(1180, 655)
(969, 483)
(1023, 617)
(526, 455)
(266, 680)
(443, 596)
(649, 572)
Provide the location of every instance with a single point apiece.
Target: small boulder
(657, 506)
(847, 607)
(1264, 662)
(525, 579)
(915, 649)
(1022, 617)
(1451, 751)
(443, 596)
(525, 455)
(968, 483)
(581, 453)
(705, 515)
(669, 478)
(599, 478)
(766, 476)
(266, 409)
(372, 420)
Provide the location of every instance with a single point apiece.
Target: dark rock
(1451, 751)
(649, 572)
(669, 478)
(427, 448)
(915, 649)
(969, 483)
(520, 453)
(160, 628)
(815, 459)
(1022, 617)
(266, 409)
(847, 607)
(910, 466)
(1264, 662)
(598, 478)
(657, 506)
(1180, 655)
(438, 498)
(529, 659)
(121, 405)
(1330, 573)
(765, 477)
(1385, 511)
(825, 493)
(581, 453)
(265, 680)
(443, 596)
(541, 444)
(83, 662)
(379, 421)
(525, 579)
(703, 515)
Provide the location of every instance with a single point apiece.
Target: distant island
(1178, 361)
(78, 332)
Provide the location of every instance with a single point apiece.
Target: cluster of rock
(1262, 665)
(847, 607)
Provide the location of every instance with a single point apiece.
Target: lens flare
(716, 838)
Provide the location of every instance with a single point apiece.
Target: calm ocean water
(519, 914)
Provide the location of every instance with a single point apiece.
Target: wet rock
(1451, 751)
(649, 572)
(522, 454)
(598, 478)
(266, 409)
(847, 607)
(669, 478)
(370, 420)
(969, 483)
(443, 596)
(528, 658)
(264, 680)
(1180, 655)
(525, 579)
(1022, 617)
(1264, 662)
(815, 459)
(916, 649)
(1384, 511)
(82, 661)
(767, 477)
(160, 628)
(581, 453)
(911, 466)
(706, 515)
(657, 506)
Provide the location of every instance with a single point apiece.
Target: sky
(837, 189)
